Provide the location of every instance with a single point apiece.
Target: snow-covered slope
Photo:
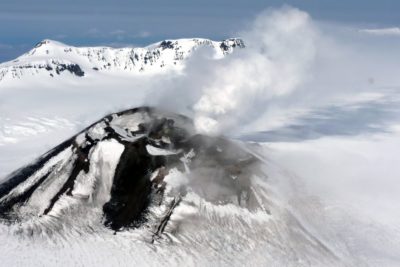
(52, 58)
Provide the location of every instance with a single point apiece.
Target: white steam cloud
(218, 94)
(280, 49)
(383, 31)
(290, 66)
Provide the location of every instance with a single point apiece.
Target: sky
(136, 23)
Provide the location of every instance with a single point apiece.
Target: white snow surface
(156, 151)
(103, 158)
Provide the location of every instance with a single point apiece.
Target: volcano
(123, 166)
(146, 178)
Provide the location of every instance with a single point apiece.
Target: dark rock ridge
(57, 67)
(232, 43)
(121, 164)
(72, 68)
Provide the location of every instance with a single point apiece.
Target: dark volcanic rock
(229, 44)
(72, 68)
(167, 45)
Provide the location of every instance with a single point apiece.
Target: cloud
(394, 31)
(6, 46)
(292, 67)
(60, 36)
(93, 32)
(118, 34)
(280, 50)
(142, 34)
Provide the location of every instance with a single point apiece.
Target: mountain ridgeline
(51, 58)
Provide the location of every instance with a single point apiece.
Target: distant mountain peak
(51, 58)
(49, 42)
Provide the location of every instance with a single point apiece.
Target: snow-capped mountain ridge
(54, 58)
